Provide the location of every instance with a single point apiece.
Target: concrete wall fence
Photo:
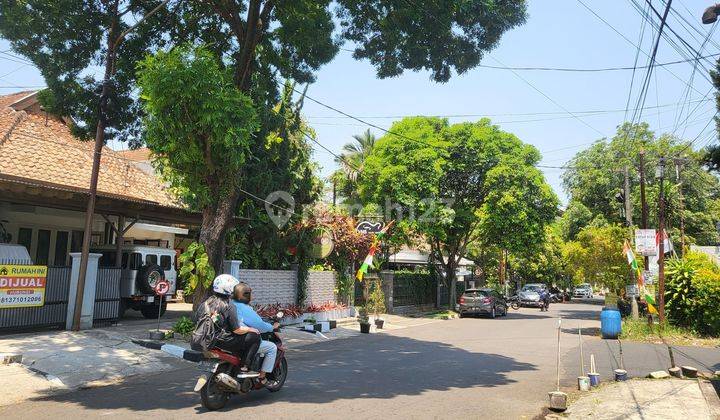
(280, 286)
(320, 287)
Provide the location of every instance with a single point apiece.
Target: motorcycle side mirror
(280, 314)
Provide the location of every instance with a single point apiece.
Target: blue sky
(558, 33)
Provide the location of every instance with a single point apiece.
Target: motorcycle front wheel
(212, 396)
(515, 306)
(276, 380)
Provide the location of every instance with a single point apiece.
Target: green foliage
(195, 268)
(352, 163)
(198, 124)
(596, 257)
(415, 286)
(595, 175)
(680, 291)
(67, 40)
(691, 293)
(376, 299)
(542, 263)
(184, 326)
(464, 182)
(575, 217)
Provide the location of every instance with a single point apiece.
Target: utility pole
(661, 243)
(626, 189)
(678, 166)
(629, 221)
(113, 42)
(643, 203)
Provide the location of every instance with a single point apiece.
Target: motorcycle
(222, 376)
(513, 302)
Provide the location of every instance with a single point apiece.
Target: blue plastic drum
(610, 323)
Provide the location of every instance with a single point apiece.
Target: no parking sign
(162, 287)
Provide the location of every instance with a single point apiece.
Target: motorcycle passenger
(234, 337)
(242, 295)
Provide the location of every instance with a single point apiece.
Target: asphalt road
(464, 368)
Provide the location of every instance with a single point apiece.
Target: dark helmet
(242, 292)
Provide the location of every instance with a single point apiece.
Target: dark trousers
(245, 345)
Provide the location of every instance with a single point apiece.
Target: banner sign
(22, 285)
(645, 243)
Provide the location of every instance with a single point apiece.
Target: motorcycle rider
(544, 299)
(242, 294)
(234, 336)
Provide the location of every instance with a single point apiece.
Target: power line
(595, 70)
(589, 112)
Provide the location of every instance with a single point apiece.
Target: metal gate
(52, 314)
(107, 296)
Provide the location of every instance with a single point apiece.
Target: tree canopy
(595, 175)
(456, 183)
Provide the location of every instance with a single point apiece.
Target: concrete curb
(171, 349)
(711, 397)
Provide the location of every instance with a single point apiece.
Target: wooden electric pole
(643, 204)
(113, 42)
(661, 242)
(678, 166)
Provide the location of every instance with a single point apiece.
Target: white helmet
(224, 284)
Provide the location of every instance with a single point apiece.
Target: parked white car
(142, 266)
(583, 291)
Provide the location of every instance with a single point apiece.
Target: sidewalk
(647, 399)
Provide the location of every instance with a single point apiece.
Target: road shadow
(586, 331)
(586, 315)
(374, 366)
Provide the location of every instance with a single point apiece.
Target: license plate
(208, 366)
(151, 299)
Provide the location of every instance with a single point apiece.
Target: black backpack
(206, 330)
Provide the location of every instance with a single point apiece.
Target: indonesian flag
(627, 250)
(667, 243)
(371, 253)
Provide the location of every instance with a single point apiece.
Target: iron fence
(52, 314)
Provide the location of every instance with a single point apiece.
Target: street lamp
(710, 14)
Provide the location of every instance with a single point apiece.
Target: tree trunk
(215, 223)
(452, 281)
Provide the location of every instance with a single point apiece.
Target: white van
(142, 266)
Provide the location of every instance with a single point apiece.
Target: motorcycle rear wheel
(213, 398)
(279, 375)
(515, 306)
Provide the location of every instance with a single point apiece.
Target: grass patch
(639, 330)
(442, 314)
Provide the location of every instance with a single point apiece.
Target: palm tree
(354, 154)
(352, 161)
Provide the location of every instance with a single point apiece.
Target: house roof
(138, 155)
(41, 151)
(412, 256)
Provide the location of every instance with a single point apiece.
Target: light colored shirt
(247, 315)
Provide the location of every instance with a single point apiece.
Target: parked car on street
(583, 291)
(482, 301)
(530, 294)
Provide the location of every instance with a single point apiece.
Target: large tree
(457, 183)
(595, 176)
(352, 161)
(261, 42)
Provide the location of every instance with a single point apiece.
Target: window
(25, 238)
(61, 247)
(135, 261)
(76, 241)
(165, 262)
(43, 247)
(150, 259)
(107, 259)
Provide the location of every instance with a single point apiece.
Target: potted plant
(376, 303)
(364, 321)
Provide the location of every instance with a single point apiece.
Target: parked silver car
(482, 301)
(583, 291)
(529, 295)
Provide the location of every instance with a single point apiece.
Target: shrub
(195, 268)
(376, 299)
(691, 293)
(184, 326)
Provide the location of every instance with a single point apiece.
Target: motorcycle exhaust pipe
(228, 381)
